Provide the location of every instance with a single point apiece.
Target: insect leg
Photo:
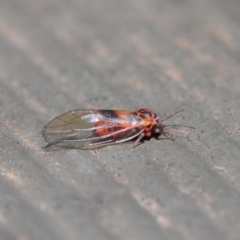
(168, 137)
(137, 142)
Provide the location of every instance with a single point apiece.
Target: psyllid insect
(90, 129)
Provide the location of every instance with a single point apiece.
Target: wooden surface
(166, 55)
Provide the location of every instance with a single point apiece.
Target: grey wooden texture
(166, 55)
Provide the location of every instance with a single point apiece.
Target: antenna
(174, 124)
(178, 126)
(173, 115)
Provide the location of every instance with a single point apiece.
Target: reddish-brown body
(86, 129)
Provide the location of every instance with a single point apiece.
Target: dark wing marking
(79, 129)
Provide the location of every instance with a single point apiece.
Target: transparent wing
(88, 129)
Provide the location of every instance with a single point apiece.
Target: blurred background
(165, 55)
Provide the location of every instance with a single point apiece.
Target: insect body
(89, 129)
